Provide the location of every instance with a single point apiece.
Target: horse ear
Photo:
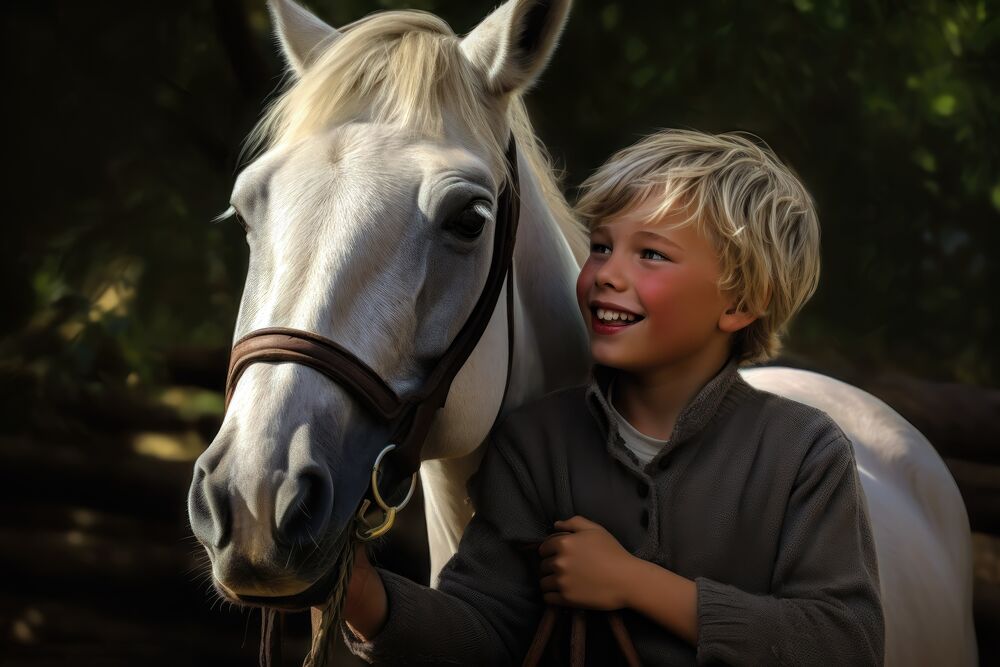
(299, 32)
(513, 44)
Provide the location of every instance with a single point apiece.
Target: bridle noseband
(410, 418)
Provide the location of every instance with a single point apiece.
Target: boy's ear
(300, 33)
(733, 319)
(513, 44)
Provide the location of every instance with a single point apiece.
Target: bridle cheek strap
(409, 419)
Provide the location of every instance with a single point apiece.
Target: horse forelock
(402, 68)
(407, 69)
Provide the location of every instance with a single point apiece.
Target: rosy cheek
(660, 300)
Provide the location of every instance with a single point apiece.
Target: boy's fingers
(574, 524)
(549, 584)
(550, 546)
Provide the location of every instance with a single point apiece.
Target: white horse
(369, 219)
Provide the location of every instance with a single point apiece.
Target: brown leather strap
(410, 418)
(624, 640)
(541, 638)
(578, 638)
(438, 384)
(319, 353)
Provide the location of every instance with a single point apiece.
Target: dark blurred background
(125, 123)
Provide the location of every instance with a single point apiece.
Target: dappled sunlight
(192, 402)
(113, 300)
(169, 446)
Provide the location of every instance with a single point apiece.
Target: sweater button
(644, 519)
(642, 489)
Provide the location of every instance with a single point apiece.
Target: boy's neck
(652, 400)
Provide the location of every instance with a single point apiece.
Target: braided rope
(319, 652)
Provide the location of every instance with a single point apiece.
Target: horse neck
(549, 351)
(551, 348)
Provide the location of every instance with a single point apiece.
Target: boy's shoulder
(788, 422)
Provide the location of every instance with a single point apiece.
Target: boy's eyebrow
(659, 237)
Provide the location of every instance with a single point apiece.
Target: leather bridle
(409, 419)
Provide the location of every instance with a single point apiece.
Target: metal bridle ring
(390, 511)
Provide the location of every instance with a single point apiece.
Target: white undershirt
(640, 444)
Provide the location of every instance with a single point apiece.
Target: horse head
(369, 212)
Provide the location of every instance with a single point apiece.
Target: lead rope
(578, 633)
(270, 641)
(330, 613)
(578, 637)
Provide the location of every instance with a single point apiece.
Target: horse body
(352, 215)
(918, 519)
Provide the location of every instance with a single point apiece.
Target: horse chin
(312, 595)
(243, 584)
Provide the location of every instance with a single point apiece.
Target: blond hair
(757, 213)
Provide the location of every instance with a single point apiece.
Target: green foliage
(128, 127)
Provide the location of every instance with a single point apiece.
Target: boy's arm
(826, 606)
(487, 603)
(825, 609)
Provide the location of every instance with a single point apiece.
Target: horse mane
(405, 68)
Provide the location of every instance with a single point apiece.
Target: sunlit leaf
(944, 105)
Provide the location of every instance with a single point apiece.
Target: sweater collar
(691, 420)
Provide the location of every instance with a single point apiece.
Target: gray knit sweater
(755, 497)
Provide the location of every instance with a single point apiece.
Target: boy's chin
(603, 356)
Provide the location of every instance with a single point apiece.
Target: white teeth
(614, 316)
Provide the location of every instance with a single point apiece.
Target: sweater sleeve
(487, 602)
(824, 607)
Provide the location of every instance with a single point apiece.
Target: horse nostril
(303, 507)
(208, 510)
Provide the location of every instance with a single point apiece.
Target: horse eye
(470, 221)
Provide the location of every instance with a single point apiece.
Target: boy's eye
(599, 248)
(652, 254)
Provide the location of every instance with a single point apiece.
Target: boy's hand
(366, 606)
(585, 566)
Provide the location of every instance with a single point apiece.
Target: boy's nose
(609, 274)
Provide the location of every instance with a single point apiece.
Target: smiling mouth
(606, 317)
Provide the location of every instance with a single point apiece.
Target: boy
(727, 523)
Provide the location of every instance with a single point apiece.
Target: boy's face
(661, 281)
